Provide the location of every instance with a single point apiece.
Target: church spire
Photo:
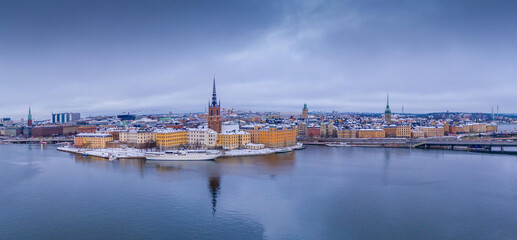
(388, 110)
(214, 95)
(30, 115)
(29, 118)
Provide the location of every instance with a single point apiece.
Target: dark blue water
(317, 193)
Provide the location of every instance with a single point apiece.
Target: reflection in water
(129, 164)
(283, 161)
(122, 164)
(208, 168)
(386, 166)
(214, 184)
(271, 165)
(88, 159)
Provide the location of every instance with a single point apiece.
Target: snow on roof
(168, 130)
(93, 135)
(200, 130)
(234, 133)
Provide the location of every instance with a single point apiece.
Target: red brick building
(313, 131)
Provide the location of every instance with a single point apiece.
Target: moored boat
(336, 144)
(283, 150)
(183, 155)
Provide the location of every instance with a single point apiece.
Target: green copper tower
(29, 118)
(387, 112)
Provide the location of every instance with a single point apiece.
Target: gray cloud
(108, 57)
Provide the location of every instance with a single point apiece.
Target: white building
(202, 136)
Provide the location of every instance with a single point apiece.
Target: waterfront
(317, 193)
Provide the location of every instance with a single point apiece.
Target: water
(317, 193)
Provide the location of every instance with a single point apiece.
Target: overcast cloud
(107, 57)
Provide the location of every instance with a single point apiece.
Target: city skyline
(106, 58)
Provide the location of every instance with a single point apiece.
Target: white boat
(183, 155)
(336, 144)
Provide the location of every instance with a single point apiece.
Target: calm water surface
(317, 193)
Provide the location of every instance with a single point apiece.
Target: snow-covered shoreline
(126, 153)
(108, 153)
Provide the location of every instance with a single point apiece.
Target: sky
(108, 57)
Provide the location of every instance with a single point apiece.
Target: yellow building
(92, 140)
(233, 139)
(403, 131)
(170, 138)
(370, 133)
(346, 133)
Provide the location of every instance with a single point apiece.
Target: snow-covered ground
(113, 153)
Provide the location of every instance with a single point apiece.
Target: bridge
(488, 146)
(452, 143)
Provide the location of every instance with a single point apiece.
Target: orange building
(272, 136)
(253, 131)
(92, 140)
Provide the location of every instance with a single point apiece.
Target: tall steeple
(388, 110)
(214, 96)
(29, 118)
(214, 112)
